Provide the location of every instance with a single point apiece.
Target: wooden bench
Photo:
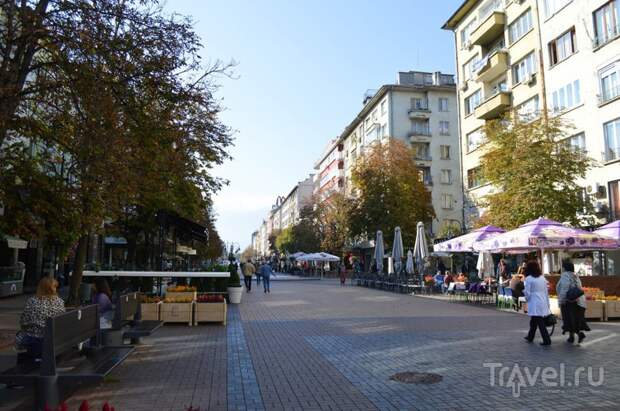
(72, 355)
(127, 323)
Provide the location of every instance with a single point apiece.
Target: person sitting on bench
(38, 309)
(103, 298)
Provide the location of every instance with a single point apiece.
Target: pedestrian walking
(342, 273)
(266, 272)
(572, 303)
(248, 271)
(258, 273)
(537, 297)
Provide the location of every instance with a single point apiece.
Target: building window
(420, 127)
(606, 22)
(443, 104)
(383, 110)
(520, 26)
(523, 68)
(472, 102)
(566, 97)
(384, 132)
(446, 201)
(374, 115)
(529, 110)
(446, 176)
(610, 82)
(444, 128)
(475, 139)
(562, 47)
(419, 103)
(550, 7)
(468, 68)
(577, 143)
(444, 151)
(466, 32)
(612, 140)
(475, 177)
(614, 199)
(422, 151)
(424, 176)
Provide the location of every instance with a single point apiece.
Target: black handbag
(574, 293)
(550, 321)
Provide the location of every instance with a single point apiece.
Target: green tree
(534, 172)
(388, 193)
(285, 241)
(332, 220)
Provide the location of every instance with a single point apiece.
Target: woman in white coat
(537, 297)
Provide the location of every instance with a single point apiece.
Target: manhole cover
(416, 377)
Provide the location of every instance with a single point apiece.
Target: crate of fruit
(612, 307)
(595, 310)
(181, 291)
(210, 308)
(177, 310)
(149, 308)
(593, 293)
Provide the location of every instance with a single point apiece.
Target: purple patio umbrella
(465, 243)
(610, 230)
(543, 234)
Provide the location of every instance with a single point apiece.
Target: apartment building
(530, 55)
(498, 64)
(329, 170)
(420, 108)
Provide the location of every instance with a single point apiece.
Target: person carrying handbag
(537, 297)
(572, 302)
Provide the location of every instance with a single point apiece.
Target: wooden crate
(210, 312)
(177, 313)
(595, 310)
(181, 294)
(612, 309)
(150, 311)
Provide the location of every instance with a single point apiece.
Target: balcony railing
(420, 132)
(427, 181)
(606, 37)
(609, 94)
(423, 157)
(611, 154)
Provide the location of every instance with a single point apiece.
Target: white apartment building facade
(421, 109)
(531, 55)
(329, 177)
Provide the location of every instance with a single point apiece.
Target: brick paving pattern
(318, 346)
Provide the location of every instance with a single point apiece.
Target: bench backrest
(126, 310)
(66, 331)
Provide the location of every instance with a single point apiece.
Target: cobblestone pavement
(318, 346)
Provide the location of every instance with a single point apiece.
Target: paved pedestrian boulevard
(317, 346)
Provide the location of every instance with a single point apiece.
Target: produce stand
(150, 308)
(181, 292)
(177, 312)
(595, 310)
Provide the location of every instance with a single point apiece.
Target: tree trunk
(78, 270)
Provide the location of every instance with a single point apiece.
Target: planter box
(210, 312)
(181, 294)
(612, 309)
(595, 310)
(177, 313)
(150, 311)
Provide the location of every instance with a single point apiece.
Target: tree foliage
(534, 173)
(389, 193)
(118, 113)
(302, 236)
(332, 217)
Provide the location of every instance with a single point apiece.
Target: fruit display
(210, 298)
(147, 299)
(593, 293)
(181, 300)
(181, 289)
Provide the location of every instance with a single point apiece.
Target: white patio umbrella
(485, 265)
(397, 250)
(379, 251)
(409, 264)
(420, 249)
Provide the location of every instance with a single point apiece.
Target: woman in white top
(537, 297)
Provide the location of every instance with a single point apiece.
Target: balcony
(491, 66)
(421, 111)
(611, 154)
(419, 133)
(490, 29)
(494, 106)
(422, 157)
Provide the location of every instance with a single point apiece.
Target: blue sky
(303, 67)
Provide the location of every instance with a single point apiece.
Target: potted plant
(234, 284)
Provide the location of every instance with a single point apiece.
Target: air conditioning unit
(530, 79)
(464, 86)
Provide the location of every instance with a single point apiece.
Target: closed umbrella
(409, 264)
(485, 265)
(379, 251)
(397, 250)
(420, 249)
